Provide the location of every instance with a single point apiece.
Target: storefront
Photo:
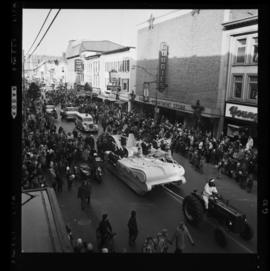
(241, 119)
(178, 112)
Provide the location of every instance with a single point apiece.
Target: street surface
(160, 208)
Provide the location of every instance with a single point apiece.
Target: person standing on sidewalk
(132, 228)
(83, 194)
(179, 237)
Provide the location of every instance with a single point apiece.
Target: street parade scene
(130, 149)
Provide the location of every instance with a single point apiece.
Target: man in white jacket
(209, 190)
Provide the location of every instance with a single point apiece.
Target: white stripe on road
(179, 199)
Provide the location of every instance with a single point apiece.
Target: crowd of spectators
(51, 156)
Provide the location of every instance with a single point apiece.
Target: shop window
(241, 51)
(255, 50)
(237, 86)
(125, 84)
(252, 87)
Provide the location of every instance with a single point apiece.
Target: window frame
(236, 50)
(252, 43)
(233, 85)
(248, 75)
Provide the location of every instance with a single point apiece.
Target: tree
(87, 87)
(33, 91)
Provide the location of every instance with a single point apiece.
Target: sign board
(78, 65)
(242, 112)
(163, 62)
(113, 76)
(146, 89)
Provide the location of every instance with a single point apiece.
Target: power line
(45, 33)
(39, 31)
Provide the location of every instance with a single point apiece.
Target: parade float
(140, 172)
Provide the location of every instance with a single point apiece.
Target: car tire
(220, 237)
(193, 210)
(247, 233)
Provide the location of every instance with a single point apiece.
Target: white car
(50, 109)
(85, 123)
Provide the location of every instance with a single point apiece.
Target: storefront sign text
(241, 112)
(163, 60)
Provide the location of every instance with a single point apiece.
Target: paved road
(157, 210)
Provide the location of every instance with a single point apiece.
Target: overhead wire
(39, 31)
(45, 33)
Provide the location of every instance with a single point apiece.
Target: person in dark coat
(132, 228)
(104, 231)
(84, 193)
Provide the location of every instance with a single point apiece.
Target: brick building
(194, 69)
(241, 76)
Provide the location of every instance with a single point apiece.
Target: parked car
(50, 109)
(84, 122)
(69, 113)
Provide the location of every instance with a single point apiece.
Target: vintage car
(69, 113)
(141, 173)
(50, 109)
(85, 123)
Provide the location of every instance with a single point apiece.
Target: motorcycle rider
(209, 190)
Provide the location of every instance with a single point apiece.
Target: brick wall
(194, 57)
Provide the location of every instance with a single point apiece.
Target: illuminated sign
(241, 112)
(163, 61)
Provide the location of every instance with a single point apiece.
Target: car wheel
(193, 210)
(220, 237)
(247, 232)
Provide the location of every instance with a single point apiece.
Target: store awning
(121, 102)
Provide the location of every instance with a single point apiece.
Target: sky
(117, 25)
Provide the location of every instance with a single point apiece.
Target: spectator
(179, 237)
(132, 228)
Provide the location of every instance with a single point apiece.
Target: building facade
(118, 77)
(181, 61)
(80, 54)
(50, 72)
(241, 106)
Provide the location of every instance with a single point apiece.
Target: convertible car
(140, 172)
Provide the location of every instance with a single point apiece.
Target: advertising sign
(163, 61)
(78, 65)
(242, 112)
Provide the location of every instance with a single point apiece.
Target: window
(128, 65)
(125, 84)
(255, 50)
(241, 51)
(237, 86)
(252, 87)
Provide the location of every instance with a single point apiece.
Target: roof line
(239, 21)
